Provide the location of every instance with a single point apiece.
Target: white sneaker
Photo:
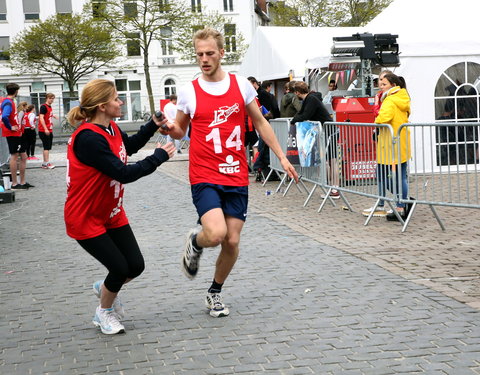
(215, 304)
(117, 304)
(380, 211)
(107, 320)
(191, 256)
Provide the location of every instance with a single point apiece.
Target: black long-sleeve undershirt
(93, 150)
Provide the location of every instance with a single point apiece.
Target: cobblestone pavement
(312, 293)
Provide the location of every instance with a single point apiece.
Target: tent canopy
(275, 51)
(425, 28)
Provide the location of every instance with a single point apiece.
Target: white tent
(433, 35)
(439, 48)
(277, 52)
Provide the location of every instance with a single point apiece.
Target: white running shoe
(215, 304)
(380, 211)
(108, 322)
(117, 304)
(191, 256)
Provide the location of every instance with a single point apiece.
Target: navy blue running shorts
(233, 200)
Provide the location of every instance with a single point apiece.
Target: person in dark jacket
(314, 110)
(312, 106)
(267, 100)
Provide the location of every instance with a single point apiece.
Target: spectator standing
(22, 106)
(289, 104)
(170, 111)
(45, 129)
(314, 110)
(13, 131)
(97, 169)
(30, 135)
(394, 110)
(215, 104)
(267, 101)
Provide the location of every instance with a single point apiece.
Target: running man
(216, 104)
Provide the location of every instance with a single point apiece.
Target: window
(3, 10)
(31, 9)
(98, 6)
(228, 5)
(4, 46)
(457, 100)
(129, 93)
(38, 94)
(121, 84)
(166, 42)
(196, 6)
(170, 87)
(130, 9)
(69, 101)
(230, 39)
(163, 5)
(134, 85)
(133, 44)
(63, 6)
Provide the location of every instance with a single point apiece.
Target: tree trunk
(146, 68)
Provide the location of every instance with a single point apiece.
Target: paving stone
(311, 293)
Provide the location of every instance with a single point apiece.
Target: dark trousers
(30, 136)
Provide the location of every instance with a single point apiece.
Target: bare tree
(68, 46)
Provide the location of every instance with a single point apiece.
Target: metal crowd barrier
(280, 127)
(442, 165)
(444, 170)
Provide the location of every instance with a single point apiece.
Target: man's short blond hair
(209, 32)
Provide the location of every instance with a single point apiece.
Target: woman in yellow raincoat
(395, 110)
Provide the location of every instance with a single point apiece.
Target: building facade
(168, 71)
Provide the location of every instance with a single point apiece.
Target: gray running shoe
(191, 256)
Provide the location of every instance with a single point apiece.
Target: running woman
(216, 104)
(97, 169)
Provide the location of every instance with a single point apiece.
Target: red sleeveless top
(217, 151)
(6, 132)
(94, 200)
(47, 118)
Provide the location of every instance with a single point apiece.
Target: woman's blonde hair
(95, 93)
(22, 106)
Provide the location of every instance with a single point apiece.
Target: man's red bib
(217, 151)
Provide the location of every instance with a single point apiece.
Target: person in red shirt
(13, 131)
(96, 173)
(216, 104)
(30, 135)
(45, 129)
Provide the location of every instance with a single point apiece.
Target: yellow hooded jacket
(394, 111)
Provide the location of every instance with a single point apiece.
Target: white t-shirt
(187, 102)
(170, 111)
(32, 117)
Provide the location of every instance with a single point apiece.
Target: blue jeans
(385, 181)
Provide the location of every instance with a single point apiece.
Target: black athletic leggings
(118, 251)
(30, 136)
